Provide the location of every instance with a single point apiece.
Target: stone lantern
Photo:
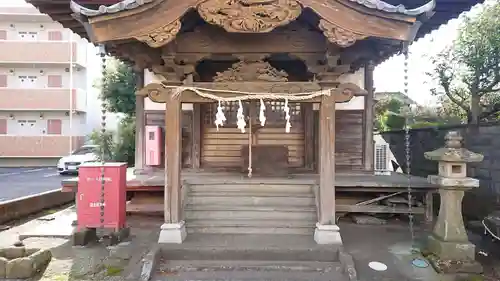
(449, 240)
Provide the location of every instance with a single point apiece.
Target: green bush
(117, 146)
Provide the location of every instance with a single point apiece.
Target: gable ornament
(252, 16)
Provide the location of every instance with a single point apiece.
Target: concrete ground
(95, 262)
(389, 244)
(19, 182)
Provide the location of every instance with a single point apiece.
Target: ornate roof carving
(400, 9)
(159, 25)
(251, 72)
(249, 15)
(115, 8)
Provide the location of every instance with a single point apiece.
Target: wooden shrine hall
(266, 103)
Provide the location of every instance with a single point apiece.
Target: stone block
(40, 259)
(12, 252)
(174, 233)
(3, 267)
(446, 250)
(121, 251)
(327, 234)
(84, 237)
(21, 268)
(368, 220)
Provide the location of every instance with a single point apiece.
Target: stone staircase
(253, 257)
(244, 207)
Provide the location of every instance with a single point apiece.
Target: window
(55, 35)
(84, 150)
(54, 126)
(3, 80)
(28, 36)
(54, 81)
(3, 126)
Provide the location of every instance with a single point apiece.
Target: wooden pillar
(173, 150)
(368, 118)
(173, 231)
(139, 126)
(196, 136)
(327, 161)
(309, 141)
(327, 232)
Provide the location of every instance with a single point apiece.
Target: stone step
(207, 212)
(249, 270)
(250, 200)
(325, 253)
(251, 230)
(252, 223)
(252, 208)
(245, 187)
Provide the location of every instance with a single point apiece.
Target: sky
(388, 75)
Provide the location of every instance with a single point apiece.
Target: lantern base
(172, 233)
(451, 250)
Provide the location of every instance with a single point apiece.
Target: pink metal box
(153, 145)
(89, 195)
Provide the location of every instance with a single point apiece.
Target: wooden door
(222, 148)
(228, 147)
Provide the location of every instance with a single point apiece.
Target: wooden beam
(368, 118)
(173, 150)
(327, 161)
(341, 92)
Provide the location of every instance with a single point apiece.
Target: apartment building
(43, 81)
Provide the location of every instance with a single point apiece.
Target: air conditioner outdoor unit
(382, 159)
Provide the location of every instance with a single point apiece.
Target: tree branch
(494, 109)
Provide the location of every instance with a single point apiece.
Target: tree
(118, 93)
(468, 72)
(390, 114)
(118, 87)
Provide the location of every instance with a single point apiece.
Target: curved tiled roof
(445, 10)
(118, 6)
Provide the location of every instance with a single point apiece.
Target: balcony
(41, 52)
(49, 99)
(37, 146)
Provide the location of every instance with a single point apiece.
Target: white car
(69, 164)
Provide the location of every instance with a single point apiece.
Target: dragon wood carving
(251, 72)
(249, 15)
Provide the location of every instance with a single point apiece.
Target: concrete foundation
(174, 233)
(327, 234)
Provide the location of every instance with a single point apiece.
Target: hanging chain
(407, 144)
(104, 138)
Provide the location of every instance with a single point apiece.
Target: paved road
(19, 182)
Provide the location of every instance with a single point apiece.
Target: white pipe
(70, 91)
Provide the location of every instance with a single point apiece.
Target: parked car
(69, 164)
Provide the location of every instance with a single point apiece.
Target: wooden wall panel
(223, 148)
(349, 140)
